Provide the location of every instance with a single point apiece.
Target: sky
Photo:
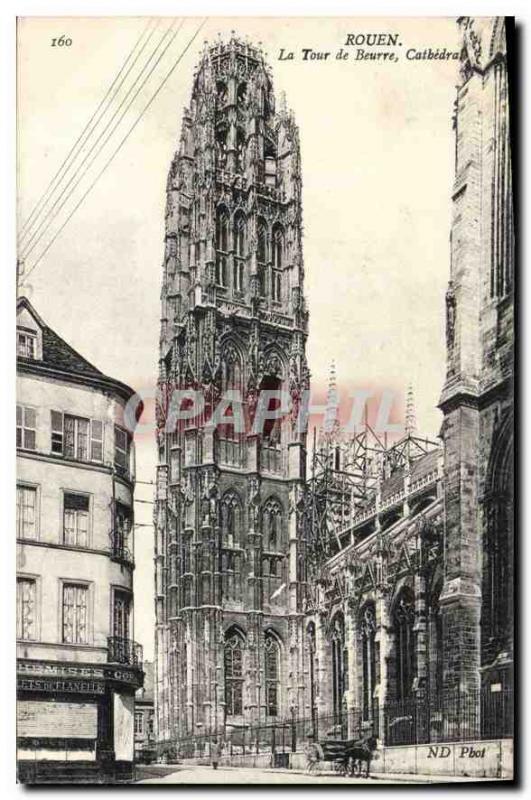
(377, 167)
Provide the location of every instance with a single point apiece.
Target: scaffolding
(345, 478)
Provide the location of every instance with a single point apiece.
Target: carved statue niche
(294, 389)
(252, 398)
(450, 316)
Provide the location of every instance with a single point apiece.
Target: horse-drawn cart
(347, 756)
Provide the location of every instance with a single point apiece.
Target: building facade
(384, 599)
(228, 557)
(145, 751)
(77, 664)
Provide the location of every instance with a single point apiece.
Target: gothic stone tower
(477, 403)
(228, 543)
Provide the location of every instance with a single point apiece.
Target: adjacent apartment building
(78, 666)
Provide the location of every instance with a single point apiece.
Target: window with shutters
(75, 613)
(26, 609)
(76, 437)
(96, 440)
(26, 427)
(122, 446)
(27, 512)
(76, 520)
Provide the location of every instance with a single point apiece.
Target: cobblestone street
(187, 774)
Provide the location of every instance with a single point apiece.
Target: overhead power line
(87, 130)
(116, 151)
(76, 178)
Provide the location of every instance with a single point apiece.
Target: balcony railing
(120, 551)
(231, 452)
(271, 459)
(124, 651)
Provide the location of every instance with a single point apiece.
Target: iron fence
(449, 717)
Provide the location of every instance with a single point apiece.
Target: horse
(362, 751)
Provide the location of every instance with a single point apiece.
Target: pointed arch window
(498, 548)
(221, 148)
(239, 251)
(222, 93)
(338, 666)
(241, 95)
(278, 246)
(270, 163)
(277, 259)
(231, 368)
(272, 427)
(368, 654)
(231, 520)
(233, 662)
(272, 674)
(272, 526)
(261, 256)
(405, 654)
(229, 436)
(231, 569)
(240, 151)
(222, 245)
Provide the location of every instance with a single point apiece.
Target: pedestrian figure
(215, 754)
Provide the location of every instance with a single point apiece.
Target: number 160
(61, 42)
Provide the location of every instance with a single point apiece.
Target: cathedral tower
(229, 565)
(477, 398)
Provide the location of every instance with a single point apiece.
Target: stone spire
(411, 421)
(331, 422)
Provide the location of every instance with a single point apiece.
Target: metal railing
(120, 551)
(124, 651)
(450, 717)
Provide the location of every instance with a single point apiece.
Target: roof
(420, 467)
(58, 356)
(58, 353)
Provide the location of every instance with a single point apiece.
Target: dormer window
(26, 344)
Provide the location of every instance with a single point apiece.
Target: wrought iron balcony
(119, 550)
(124, 651)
